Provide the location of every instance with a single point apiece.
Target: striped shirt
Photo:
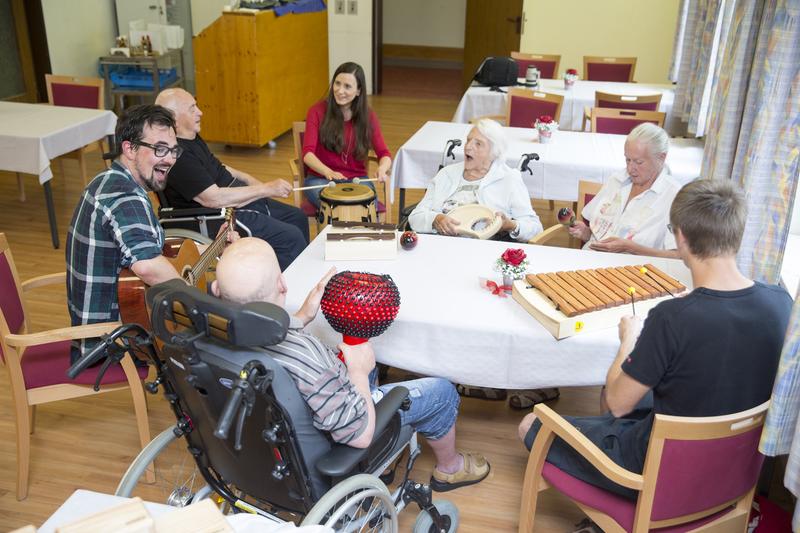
(113, 227)
(336, 405)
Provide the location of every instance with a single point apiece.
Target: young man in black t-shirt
(200, 179)
(713, 352)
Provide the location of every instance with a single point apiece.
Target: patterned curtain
(698, 61)
(782, 430)
(753, 135)
(680, 37)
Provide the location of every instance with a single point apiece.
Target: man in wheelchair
(340, 395)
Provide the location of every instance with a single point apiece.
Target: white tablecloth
(569, 157)
(31, 135)
(479, 101)
(449, 326)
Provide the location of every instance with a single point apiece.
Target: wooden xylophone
(567, 303)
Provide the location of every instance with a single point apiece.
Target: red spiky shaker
(360, 305)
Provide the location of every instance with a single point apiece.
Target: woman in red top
(340, 131)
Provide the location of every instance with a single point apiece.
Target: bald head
(184, 107)
(248, 272)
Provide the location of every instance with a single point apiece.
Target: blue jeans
(434, 404)
(313, 194)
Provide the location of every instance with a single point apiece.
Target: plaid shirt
(113, 227)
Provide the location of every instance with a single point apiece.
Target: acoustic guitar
(187, 260)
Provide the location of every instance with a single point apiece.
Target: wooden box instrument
(353, 241)
(569, 303)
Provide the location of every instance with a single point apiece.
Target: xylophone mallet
(328, 185)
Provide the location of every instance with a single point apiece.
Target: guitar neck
(213, 250)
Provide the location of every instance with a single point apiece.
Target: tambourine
(476, 221)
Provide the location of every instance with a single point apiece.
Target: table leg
(402, 201)
(51, 213)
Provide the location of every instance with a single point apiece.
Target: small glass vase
(545, 135)
(508, 281)
(568, 83)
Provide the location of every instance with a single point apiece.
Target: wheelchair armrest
(171, 212)
(342, 458)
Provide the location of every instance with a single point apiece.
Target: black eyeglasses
(669, 226)
(161, 150)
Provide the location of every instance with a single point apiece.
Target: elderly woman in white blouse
(630, 214)
(482, 178)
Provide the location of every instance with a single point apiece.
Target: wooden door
(18, 82)
(492, 28)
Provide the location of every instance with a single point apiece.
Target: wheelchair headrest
(175, 304)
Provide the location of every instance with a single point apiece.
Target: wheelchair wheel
(359, 503)
(177, 479)
(449, 512)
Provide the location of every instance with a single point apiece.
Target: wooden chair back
(644, 102)
(622, 121)
(525, 106)
(586, 191)
(547, 64)
(599, 68)
(74, 91)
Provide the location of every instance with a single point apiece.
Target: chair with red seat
(298, 173)
(547, 64)
(622, 121)
(598, 68)
(700, 474)
(37, 363)
(524, 106)
(643, 102)
(71, 91)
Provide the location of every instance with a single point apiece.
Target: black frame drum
(347, 202)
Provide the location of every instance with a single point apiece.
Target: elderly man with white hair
(482, 178)
(630, 213)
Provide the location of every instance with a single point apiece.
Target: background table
(479, 101)
(449, 326)
(31, 135)
(566, 159)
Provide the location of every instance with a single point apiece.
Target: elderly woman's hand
(509, 224)
(614, 244)
(445, 225)
(580, 230)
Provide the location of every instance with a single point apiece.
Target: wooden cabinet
(257, 73)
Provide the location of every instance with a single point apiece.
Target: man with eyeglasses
(114, 226)
(200, 179)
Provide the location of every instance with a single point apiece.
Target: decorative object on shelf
(408, 240)
(513, 264)
(570, 77)
(360, 305)
(545, 125)
(566, 216)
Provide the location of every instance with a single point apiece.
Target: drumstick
(329, 184)
(361, 180)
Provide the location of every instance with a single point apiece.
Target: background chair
(72, 91)
(647, 102)
(37, 363)
(622, 121)
(586, 191)
(299, 174)
(698, 472)
(525, 106)
(597, 68)
(547, 64)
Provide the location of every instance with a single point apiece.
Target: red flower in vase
(545, 119)
(572, 72)
(514, 256)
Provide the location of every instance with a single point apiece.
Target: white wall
(78, 33)
(204, 12)
(424, 22)
(350, 38)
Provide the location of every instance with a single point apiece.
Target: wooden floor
(88, 443)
